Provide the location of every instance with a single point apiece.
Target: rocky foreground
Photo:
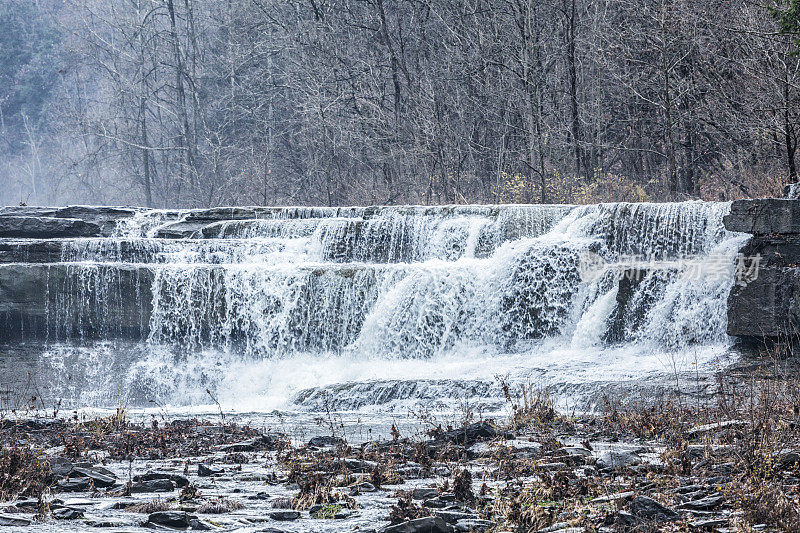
(728, 466)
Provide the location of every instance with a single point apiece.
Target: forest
(191, 103)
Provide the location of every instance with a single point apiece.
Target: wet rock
(262, 443)
(173, 519)
(67, 513)
(617, 459)
(179, 480)
(180, 230)
(474, 525)
(153, 485)
(60, 466)
(575, 451)
(46, 228)
(101, 479)
(646, 508)
(206, 471)
(105, 522)
(359, 466)
(429, 524)
(436, 503)
(451, 517)
(704, 504)
(424, 493)
(324, 441)
(11, 520)
(473, 433)
(363, 487)
(284, 515)
(708, 524)
(75, 485)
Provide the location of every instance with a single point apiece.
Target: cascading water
(384, 308)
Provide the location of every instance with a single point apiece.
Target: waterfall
(273, 307)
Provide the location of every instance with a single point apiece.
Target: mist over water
(391, 308)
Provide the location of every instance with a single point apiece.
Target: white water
(384, 309)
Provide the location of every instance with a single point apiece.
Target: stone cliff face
(768, 306)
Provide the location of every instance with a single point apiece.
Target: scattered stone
(284, 515)
(206, 471)
(451, 517)
(325, 441)
(153, 485)
(60, 466)
(180, 481)
(67, 513)
(210, 430)
(264, 442)
(429, 524)
(708, 503)
(11, 520)
(575, 450)
(473, 433)
(617, 459)
(474, 525)
(75, 485)
(101, 479)
(617, 496)
(424, 493)
(646, 508)
(172, 519)
(363, 487)
(708, 524)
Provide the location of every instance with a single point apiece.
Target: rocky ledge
(765, 305)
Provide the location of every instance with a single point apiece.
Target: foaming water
(380, 309)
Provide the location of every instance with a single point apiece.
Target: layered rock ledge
(767, 306)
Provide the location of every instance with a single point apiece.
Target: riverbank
(725, 464)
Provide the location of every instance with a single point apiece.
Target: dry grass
(153, 506)
(23, 473)
(220, 506)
